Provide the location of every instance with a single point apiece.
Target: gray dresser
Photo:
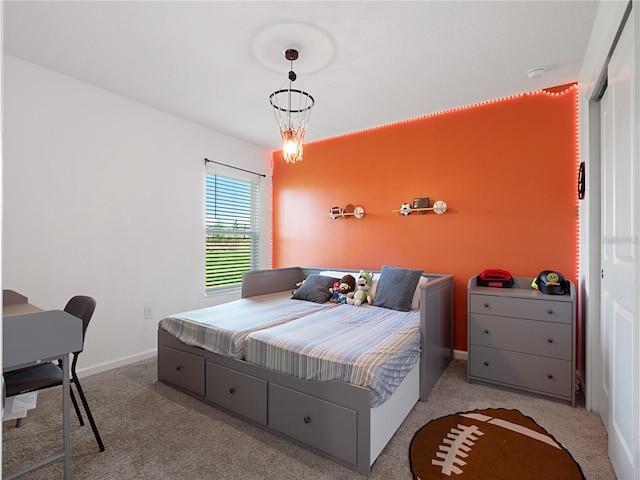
(521, 339)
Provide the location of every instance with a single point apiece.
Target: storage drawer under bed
(181, 369)
(243, 394)
(326, 426)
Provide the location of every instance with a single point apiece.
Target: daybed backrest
(260, 282)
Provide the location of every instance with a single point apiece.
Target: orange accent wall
(506, 169)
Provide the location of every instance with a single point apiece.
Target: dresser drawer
(527, 336)
(324, 425)
(181, 369)
(521, 370)
(534, 309)
(241, 393)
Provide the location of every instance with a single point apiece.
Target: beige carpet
(153, 432)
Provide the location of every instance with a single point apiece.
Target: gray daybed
(333, 418)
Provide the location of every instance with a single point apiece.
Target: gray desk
(31, 336)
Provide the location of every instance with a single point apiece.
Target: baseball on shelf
(439, 207)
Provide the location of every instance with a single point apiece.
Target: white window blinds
(232, 230)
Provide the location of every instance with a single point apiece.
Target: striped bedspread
(369, 346)
(223, 328)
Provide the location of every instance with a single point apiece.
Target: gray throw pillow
(396, 287)
(315, 289)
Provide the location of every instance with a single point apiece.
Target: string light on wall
(578, 161)
(292, 109)
(550, 92)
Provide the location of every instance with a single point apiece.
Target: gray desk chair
(47, 375)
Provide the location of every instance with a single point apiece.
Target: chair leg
(76, 407)
(88, 412)
(19, 422)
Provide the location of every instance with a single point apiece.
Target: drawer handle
(550, 340)
(486, 364)
(550, 376)
(486, 305)
(179, 367)
(550, 312)
(232, 390)
(307, 419)
(486, 330)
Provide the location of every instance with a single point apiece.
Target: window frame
(227, 200)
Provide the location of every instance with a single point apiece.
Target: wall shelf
(348, 211)
(439, 207)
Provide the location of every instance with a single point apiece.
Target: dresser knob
(486, 330)
(550, 340)
(486, 364)
(232, 390)
(307, 419)
(486, 305)
(550, 376)
(179, 367)
(550, 312)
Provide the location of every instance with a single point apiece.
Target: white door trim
(607, 24)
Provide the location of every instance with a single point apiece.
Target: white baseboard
(103, 367)
(460, 355)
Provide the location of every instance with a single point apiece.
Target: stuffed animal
(334, 292)
(363, 285)
(298, 285)
(347, 286)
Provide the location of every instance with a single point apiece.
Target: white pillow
(336, 274)
(415, 302)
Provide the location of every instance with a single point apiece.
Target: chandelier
(292, 108)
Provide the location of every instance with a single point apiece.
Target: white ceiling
(365, 63)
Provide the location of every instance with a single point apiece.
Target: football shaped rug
(489, 444)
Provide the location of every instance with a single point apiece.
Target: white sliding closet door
(619, 315)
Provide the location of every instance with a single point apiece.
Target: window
(232, 233)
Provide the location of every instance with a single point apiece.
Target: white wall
(105, 196)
